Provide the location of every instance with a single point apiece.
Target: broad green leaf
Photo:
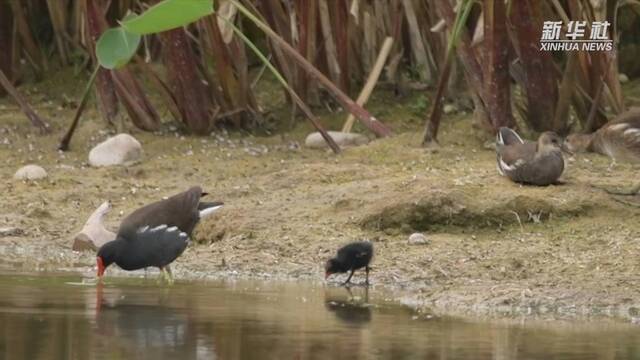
(167, 15)
(116, 47)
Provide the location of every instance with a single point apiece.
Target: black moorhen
(351, 257)
(156, 234)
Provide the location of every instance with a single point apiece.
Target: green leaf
(116, 47)
(461, 20)
(167, 15)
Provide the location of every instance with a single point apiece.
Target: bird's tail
(209, 207)
(507, 136)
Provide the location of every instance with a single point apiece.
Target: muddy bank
(494, 246)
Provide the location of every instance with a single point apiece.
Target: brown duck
(618, 139)
(537, 163)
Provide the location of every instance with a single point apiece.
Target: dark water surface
(55, 317)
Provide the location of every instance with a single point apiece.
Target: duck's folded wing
(180, 210)
(631, 117)
(620, 134)
(514, 156)
(632, 135)
(156, 246)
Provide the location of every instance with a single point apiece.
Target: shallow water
(56, 317)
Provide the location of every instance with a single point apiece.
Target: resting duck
(618, 139)
(351, 257)
(156, 234)
(537, 163)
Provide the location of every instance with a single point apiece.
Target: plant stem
(64, 143)
(36, 120)
(332, 144)
(363, 115)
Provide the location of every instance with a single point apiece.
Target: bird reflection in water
(354, 309)
(127, 321)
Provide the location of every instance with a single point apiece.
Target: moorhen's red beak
(100, 266)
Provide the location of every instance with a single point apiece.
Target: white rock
(449, 108)
(30, 172)
(122, 149)
(315, 140)
(93, 235)
(10, 231)
(418, 239)
(623, 78)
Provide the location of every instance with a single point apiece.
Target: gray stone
(315, 140)
(122, 149)
(30, 172)
(418, 239)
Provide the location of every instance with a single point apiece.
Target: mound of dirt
(439, 209)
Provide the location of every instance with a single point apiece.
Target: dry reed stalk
(329, 42)
(417, 43)
(497, 80)
(29, 44)
(373, 124)
(58, 16)
(140, 110)
(168, 99)
(66, 139)
(190, 93)
(6, 43)
(36, 120)
(540, 80)
(105, 90)
(430, 136)
(215, 48)
(341, 30)
(372, 80)
(566, 91)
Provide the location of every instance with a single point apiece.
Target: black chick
(351, 257)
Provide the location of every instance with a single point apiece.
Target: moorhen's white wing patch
(158, 228)
(208, 211)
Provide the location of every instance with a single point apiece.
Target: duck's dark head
(332, 266)
(549, 141)
(106, 256)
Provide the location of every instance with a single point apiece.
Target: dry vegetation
(494, 246)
